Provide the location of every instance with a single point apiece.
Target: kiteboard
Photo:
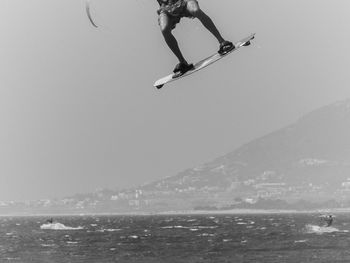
(203, 63)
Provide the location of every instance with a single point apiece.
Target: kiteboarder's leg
(194, 10)
(167, 24)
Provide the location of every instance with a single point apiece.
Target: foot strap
(225, 47)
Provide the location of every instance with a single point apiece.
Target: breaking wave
(321, 229)
(58, 226)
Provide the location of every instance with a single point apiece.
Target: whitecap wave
(47, 245)
(173, 227)
(189, 227)
(72, 242)
(321, 229)
(58, 226)
(300, 241)
(204, 227)
(108, 230)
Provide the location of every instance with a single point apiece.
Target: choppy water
(175, 238)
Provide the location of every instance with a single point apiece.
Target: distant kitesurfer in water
(170, 13)
(329, 220)
(49, 221)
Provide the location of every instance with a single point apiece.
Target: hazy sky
(77, 106)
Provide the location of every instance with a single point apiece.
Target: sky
(78, 110)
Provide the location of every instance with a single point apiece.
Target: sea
(175, 238)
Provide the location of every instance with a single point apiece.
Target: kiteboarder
(326, 220)
(329, 220)
(170, 13)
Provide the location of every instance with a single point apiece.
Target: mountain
(308, 160)
(304, 165)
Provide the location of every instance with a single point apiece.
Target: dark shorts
(174, 11)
